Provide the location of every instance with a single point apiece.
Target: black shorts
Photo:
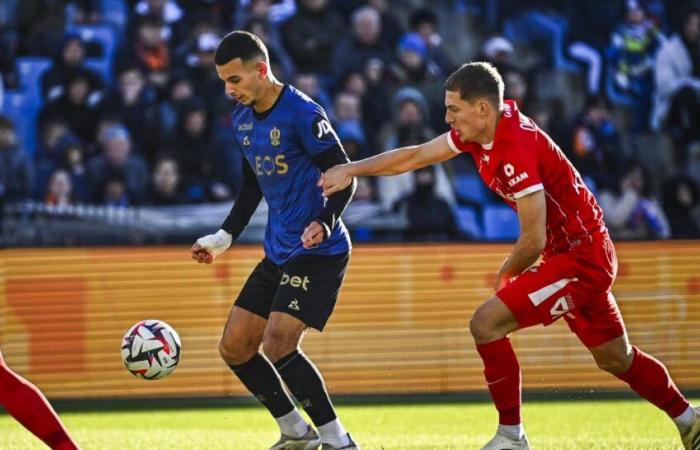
(306, 287)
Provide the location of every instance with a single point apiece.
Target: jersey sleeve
(455, 143)
(520, 168)
(315, 132)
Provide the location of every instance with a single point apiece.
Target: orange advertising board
(400, 325)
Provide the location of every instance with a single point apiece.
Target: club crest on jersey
(246, 141)
(245, 126)
(275, 135)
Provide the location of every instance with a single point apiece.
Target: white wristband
(216, 243)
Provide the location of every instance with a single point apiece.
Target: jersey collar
(263, 115)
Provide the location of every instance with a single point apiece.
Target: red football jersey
(523, 159)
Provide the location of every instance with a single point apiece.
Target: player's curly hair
(476, 80)
(240, 44)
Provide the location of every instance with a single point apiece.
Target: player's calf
(28, 406)
(615, 356)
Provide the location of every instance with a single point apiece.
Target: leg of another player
(281, 344)
(28, 406)
(490, 326)
(649, 378)
(239, 348)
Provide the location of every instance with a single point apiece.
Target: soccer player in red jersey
(28, 405)
(561, 221)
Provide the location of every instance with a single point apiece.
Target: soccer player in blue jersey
(287, 141)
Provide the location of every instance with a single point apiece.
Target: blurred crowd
(117, 102)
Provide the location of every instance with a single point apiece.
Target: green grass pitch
(605, 424)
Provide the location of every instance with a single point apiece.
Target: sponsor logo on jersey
(518, 178)
(245, 126)
(322, 129)
(267, 165)
(295, 281)
(275, 135)
(509, 170)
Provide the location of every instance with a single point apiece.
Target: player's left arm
(321, 142)
(323, 225)
(532, 215)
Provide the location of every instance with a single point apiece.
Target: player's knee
(480, 327)
(234, 355)
(277, 344)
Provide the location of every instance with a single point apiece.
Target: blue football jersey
(279, 144)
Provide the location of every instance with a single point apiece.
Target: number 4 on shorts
(559, 308)
(561, 305)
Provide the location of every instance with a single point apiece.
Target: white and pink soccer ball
(151, 349)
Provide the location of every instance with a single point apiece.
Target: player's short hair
(476, 80)
(240, 44)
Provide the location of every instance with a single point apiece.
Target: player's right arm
(210, 246)
(393, 162)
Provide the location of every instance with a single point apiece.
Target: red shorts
(575, 285)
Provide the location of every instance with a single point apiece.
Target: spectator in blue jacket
(633, 48)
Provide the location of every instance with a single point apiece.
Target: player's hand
(335, 179)
(313, 235)
(210, 246)
(201, 255)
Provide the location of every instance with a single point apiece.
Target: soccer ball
(151, 349)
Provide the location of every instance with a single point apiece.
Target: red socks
(29, 406)
(502, 373)
(649, 378)
(646, 376)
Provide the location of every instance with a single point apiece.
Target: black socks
(305, 382)
(260, 377)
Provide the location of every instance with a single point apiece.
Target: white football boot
(691, 435)
(351, 446)
(502, 442)
(309, 441)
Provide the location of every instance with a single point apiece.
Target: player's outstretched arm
(393, 162)
(212, 245)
